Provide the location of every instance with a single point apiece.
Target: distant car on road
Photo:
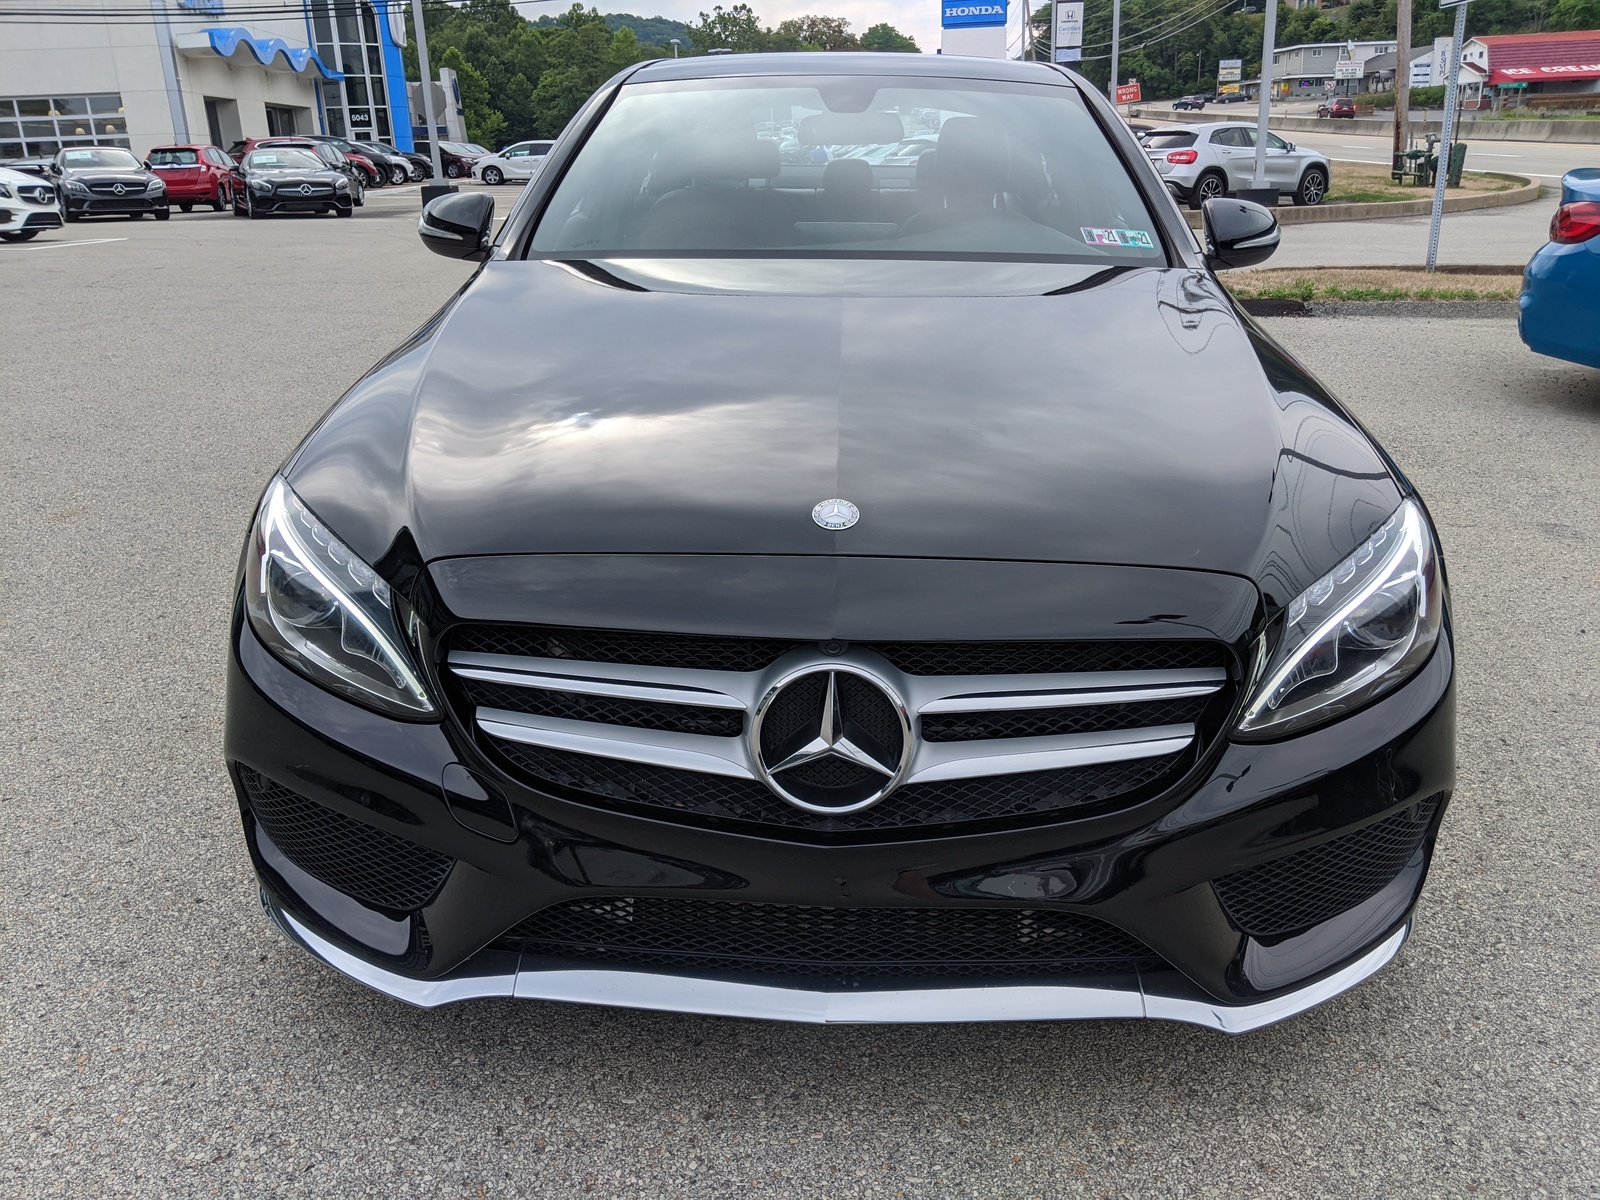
(194, 174)
(1558, 313)
(28, 206)
(1192, 102)
(1339, 106)
(1232, 98)
(1204, 162)
(520, 161)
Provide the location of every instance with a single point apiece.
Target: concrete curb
(1388, 309)
(1527, 192)
(1470, 130)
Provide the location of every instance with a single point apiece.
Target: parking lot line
(85, 242)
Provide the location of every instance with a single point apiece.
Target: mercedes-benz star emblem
(118, 189)
(831, 740)
(305, 189)
(836, 514)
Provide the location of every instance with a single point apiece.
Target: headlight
(74, 185)
(341, 184)
(324, 611)
(5, 191)
(155, 185)
(1362, 629)
(261, 185)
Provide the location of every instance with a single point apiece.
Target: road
(160, 1039)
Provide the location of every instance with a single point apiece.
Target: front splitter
(499, 974)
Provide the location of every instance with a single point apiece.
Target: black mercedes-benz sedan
(861, 588)
(98, 181)
(285, 180)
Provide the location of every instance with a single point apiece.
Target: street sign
(1230, 70)
(1066, 35)
(1228, 89)
(1451, 3)
(1128, 93)
(1347, 68)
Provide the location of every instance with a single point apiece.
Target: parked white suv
(1201, 162)
(519, 161)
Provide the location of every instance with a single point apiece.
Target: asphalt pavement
(159, 1038)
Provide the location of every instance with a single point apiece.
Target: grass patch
(1369, 183)
(1378, 283)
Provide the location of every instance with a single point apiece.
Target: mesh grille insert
(914, 658)
(690, 794)
(1291, 894)
(830, 945)
(373, 866)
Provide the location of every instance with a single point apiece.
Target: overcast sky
(919, 18)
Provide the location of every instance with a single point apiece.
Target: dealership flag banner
(1068, 36)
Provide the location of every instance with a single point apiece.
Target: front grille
(1291, 894)
(914, 806)
(292, 191)
(608, 710)
(110, 189)
(1104, 722)
(830, 946)
(371, 865)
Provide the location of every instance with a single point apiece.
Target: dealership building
(175, 71)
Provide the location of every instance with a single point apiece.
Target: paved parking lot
(158, 1038)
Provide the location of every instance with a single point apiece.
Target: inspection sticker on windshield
(1139, 239)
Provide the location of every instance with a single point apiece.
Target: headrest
(926, 173)
(974, 155)
(847, 175)
(733, 156)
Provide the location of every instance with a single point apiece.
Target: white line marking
(89, 242)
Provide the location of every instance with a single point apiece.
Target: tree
(737, 29)
(813, 33)
(1574, 14)
(885, 37)
(484, 122)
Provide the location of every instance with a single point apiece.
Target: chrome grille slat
(978, 693)
(1015, 756)
(657, 747)
(622, 689)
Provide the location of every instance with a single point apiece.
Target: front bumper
(299, 204)
(16, 216)
(1148, 870)
(99, 206)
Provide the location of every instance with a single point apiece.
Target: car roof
(722, 66)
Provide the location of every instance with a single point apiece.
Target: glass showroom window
(31, 125)
(347, 40)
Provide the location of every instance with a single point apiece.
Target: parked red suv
(1339, 106)
(194, 175)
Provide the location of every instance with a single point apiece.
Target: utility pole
(1269, 46)
(1402, 78)
(1116, 46)
(427, 102)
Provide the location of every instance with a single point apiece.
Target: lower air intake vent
(830, 946)
(1291, 894)
(368, 864)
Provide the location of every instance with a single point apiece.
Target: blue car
(1559, 310)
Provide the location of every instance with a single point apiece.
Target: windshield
(174, 158)
(282, 160)
(850, 166)
(99, 156)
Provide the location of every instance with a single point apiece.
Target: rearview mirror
(1238, 233)
(458, 225)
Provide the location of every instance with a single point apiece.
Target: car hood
(108, 175)
(1132, 417)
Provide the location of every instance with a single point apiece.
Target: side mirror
(1238, 233)
(147, 165)
(459, 225)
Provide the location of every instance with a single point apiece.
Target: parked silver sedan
(1202, 162)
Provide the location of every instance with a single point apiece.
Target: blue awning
(226, 40)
